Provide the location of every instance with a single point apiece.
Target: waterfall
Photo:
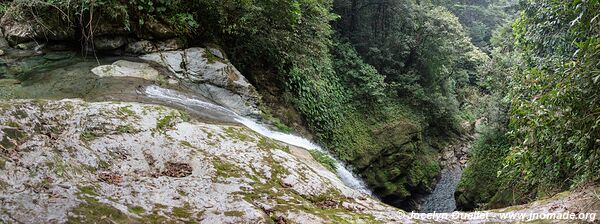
(175, 97)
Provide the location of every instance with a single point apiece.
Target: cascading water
(175, 97)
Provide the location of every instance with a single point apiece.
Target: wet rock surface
(124, 68)
(211, 77)
(453, 160)
(128, 162)
(74, 161)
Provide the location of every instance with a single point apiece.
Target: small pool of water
(66, 75)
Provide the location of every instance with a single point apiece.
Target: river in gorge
(441, 199)
(453, 160)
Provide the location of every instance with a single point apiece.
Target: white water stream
(172, 96)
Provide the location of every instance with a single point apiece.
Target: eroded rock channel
(110, 129)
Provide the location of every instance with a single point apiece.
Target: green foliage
(277, 32)
(324, 160)
(266, 114)
(236, 133)
(554, 111)
(481, 18)
(152, 6)
(350, 108)
(421, 50)
(3, 7)
(129, 129)
(423, 172)
(479, 182)
(554, 95)
(365, 85)
(319, 96)
(125, 111)
(182, 212)
(166, 122)
(88, 135)
(183, 23)
(135, 15)
(347, 106)
(92, 210)
(137, 210)
(281, 126)
(269, 144)
(210, 57)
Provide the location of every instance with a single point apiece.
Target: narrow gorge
(336, 111)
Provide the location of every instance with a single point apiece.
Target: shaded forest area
(386, 84)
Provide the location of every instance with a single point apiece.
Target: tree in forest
(551, 137)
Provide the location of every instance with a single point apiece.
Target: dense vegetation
(385, 84)
(481, 17)
(552, 134)
(383, 91)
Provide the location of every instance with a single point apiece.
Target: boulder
(216, 51)
(27, 45)
(21, 25)
(158, 30)
(146, 46)
(215, 79)
(123, 68)
(109, 42)
(141, 47)
(106, 26)
(170, 45)
(3, 42)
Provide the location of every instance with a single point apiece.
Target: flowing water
(70, 76)
(176, 97)
(64, 77)
(442, 197)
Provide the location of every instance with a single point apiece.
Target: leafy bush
(479, 182)
(364, 83)
(324, 160)
(553, 117)
(554, 94)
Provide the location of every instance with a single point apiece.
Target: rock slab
(211, 76)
